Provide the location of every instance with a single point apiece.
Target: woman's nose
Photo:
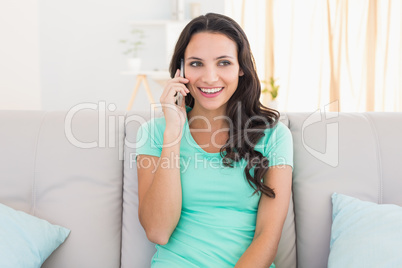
(210, 75)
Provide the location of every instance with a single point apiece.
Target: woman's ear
(241, 73)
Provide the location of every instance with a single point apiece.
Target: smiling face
(212, 68)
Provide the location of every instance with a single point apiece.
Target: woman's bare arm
(159, 190)
(271, 216)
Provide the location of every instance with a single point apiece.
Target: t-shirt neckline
(191, 139)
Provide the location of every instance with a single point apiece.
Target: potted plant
(134, 45)
(270, 90)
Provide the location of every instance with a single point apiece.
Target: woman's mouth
(210, 92)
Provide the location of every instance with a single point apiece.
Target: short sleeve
(149, 140)
(279, 149)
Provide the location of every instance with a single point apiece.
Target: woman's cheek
(190, 85)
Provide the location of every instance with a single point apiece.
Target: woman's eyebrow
(193, 58)
(224, 56)
(218, 58)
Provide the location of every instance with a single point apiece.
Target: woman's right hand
(175, 115)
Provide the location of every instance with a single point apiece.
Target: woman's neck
(199, 118)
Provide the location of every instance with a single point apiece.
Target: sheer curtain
(344, 52)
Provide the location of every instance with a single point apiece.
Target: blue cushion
(365, 234)
(25, 240)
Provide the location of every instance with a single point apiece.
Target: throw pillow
(365, 234)
(25, 240)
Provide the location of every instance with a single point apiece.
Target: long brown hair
(244, 102)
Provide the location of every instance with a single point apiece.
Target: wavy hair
(244, 107)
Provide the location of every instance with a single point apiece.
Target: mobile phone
(179, 96)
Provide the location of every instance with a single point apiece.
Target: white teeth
(211, 90)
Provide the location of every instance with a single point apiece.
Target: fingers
(181, 79)
(170, 92)
(177, 74)
(174, 85)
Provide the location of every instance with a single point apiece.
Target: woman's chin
(212, 105)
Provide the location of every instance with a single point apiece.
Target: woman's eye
(195, 63)
(224, 63)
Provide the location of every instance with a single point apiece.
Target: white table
(159, 76)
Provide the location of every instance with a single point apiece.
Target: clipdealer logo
(106, 132)
(331, 154)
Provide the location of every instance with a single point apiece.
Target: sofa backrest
(137, 251)
(356, 154)
(45, 171)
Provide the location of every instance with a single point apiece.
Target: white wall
(19, 55)
(80, 58)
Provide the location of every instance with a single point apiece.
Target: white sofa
(68, 168)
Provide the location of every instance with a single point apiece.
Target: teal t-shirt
(218, 216)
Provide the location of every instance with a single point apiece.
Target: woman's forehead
(211, 45)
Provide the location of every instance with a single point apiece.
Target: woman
(214, 174)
